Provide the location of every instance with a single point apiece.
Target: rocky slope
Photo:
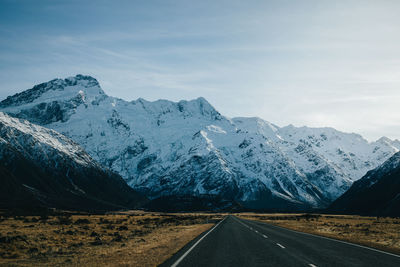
(164, 148)
(41, 168)
(377, 193)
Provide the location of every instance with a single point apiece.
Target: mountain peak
(55, 100)
(384, 139)
(199, 106)
(257, 125)
(202, 100)
(71, 85)
(86, 80)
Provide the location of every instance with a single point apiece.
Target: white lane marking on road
(312, 265)
(280, 245)
(195, 244)
(250, 227)
(340, 241)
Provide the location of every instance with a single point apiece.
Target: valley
(89, 179)
(199, 133)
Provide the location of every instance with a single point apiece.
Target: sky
(315, 63)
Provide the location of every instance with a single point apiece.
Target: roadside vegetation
(133, 238)
(138, 238)
(377, 232)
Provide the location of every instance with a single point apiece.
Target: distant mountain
(40, 168)
(377, 193)
(188, 148)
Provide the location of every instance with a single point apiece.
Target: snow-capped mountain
(42, 168)
(377, 193)
(188, 148)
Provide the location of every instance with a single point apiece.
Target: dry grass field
(147, 239)
(126, 239)
(380, 233)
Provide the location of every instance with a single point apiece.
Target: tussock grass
(131, 238)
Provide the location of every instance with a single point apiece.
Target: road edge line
(332, 239)
(195, 244)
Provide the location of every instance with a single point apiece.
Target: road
(239, 242)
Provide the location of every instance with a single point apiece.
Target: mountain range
(187, 148)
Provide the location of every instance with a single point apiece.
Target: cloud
(310, 63)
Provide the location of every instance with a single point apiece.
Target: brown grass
(134, 239)
(147, 239)
(380, 233)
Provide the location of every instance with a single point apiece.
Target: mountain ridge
(40, 168)
(166, 148)
(377, 193)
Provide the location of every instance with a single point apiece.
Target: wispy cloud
(306, 63)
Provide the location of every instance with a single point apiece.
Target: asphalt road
(238, 242)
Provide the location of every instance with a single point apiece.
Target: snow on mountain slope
(330, 159)
(35, 140)
(350, 152)
(167, 148)
(377, 193)
(42, 168)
